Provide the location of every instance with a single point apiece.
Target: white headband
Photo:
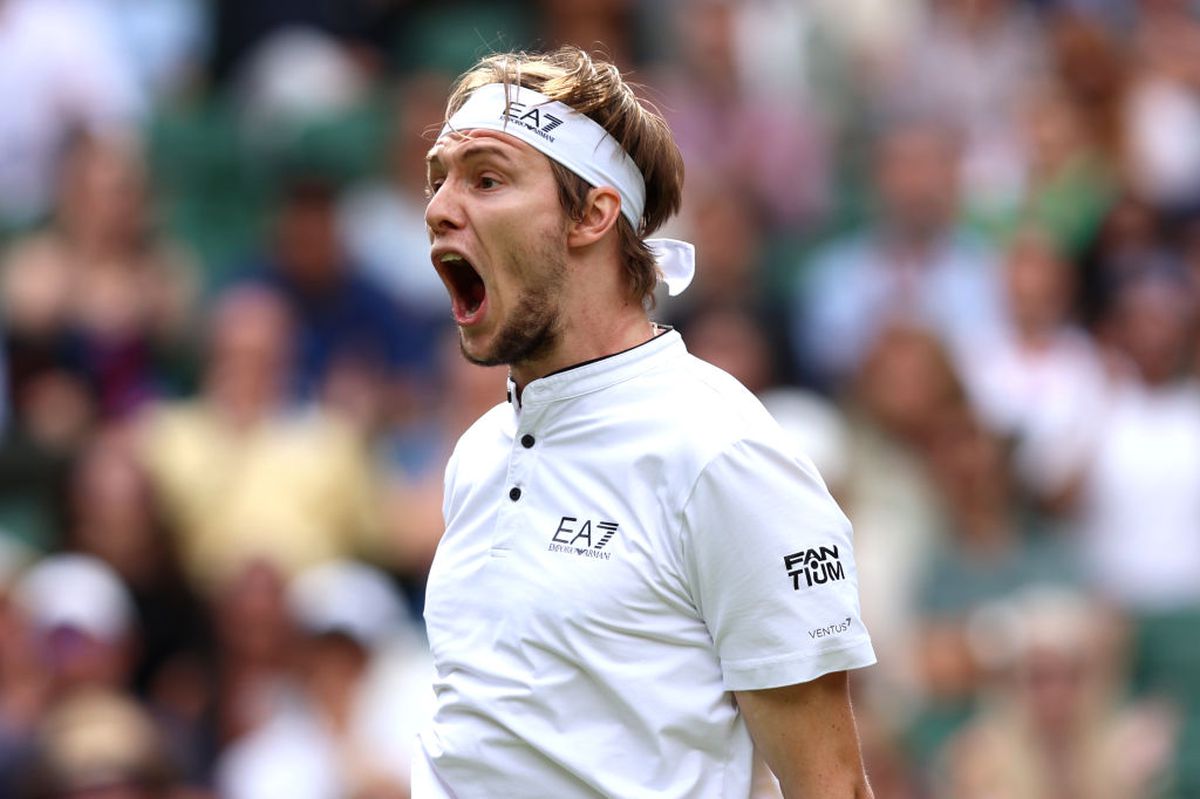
(581, 145)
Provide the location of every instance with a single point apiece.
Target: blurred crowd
(954, 246)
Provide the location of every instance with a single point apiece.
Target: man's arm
(807, 735)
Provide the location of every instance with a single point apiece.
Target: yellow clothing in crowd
(295, 488)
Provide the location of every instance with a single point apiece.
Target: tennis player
(639, 582)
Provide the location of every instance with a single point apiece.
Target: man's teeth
(450, 256)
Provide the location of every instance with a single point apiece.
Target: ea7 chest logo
(535, 119)
(810, 567)
(585, 540)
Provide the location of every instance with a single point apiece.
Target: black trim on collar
(658, 331)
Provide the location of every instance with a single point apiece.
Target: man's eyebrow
(478, 148)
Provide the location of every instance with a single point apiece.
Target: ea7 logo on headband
(810, 567)
(535, 119)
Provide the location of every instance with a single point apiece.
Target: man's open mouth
(467, 290)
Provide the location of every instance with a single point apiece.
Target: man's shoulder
(487, 429)
(704, 407)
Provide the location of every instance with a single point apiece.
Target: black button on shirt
(514, 494)
(527, 441)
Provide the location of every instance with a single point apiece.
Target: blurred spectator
(35, 452)
(256, 648)
(989, 551)
(970, 62)
(242, 472)
(765, 145)
(731, 338)
(83, 617)
(1057, 726)
(384, 221)
(730, 237)
(1070, 181)
(1130, 462)
(68, 629)
(354, 344)
(1131, 233)
(115, 516)
(1090, 66)
(912, 261)
(906, 387)
(60, 74)
(1163, 114)
(99, 744)
(1044, 361)
(98, 293)
(362, 694)
(98, 317)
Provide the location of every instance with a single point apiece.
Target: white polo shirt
(624, 547)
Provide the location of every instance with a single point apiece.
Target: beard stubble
(532, 328)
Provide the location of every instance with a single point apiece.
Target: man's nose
(444, 211)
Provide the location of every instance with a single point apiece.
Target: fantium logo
(810, 567)
(534, 119)
(586, 540)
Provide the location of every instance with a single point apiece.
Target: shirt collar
(597, 374)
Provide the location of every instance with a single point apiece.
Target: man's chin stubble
(521, 341)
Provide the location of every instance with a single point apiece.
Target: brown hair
(596, 89)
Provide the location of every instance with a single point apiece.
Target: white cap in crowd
(347, 597)
(76, 591)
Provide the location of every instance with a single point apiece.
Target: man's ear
(600, 213)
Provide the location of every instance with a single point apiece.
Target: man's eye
(432, 187)
(488, 182)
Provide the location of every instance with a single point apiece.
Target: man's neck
(588, 336)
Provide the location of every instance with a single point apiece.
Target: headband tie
(581, 145)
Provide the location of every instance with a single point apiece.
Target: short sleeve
(769, 559)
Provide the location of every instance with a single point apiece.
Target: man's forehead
(464, 143)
